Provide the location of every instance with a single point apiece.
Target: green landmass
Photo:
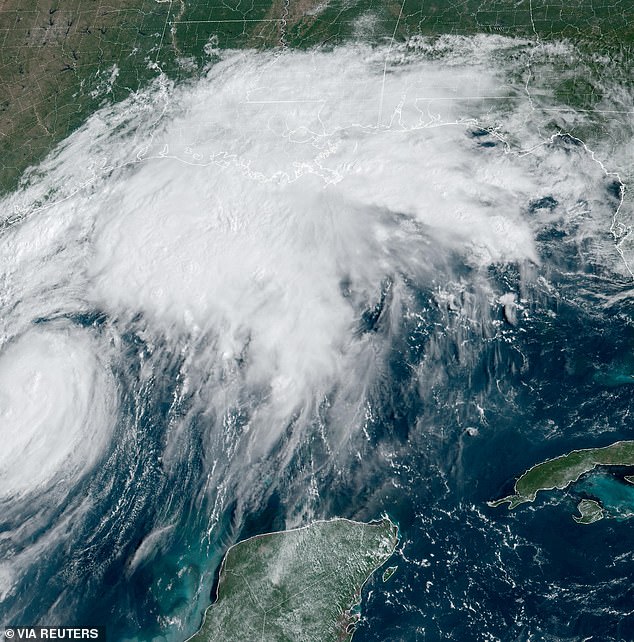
(562, 471)
(590, 510)
(62, 59)
(297, 585)
(389, 571)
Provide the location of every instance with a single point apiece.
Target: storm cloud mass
(208, 278)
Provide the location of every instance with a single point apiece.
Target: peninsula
(297, 585)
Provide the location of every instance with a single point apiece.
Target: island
(297, 585)
(389, 571)
(562, 471)
(590, 511)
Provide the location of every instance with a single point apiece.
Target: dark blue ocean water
(468, 400)
(466, 571)
(470, 572)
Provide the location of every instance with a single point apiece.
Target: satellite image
(317, 320)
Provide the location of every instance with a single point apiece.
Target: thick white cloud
(57, 409)
(236, 206)
(249, 218)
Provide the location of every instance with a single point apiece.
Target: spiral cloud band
(196, 278)
(56, 407)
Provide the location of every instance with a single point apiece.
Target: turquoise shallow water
(614, 494)
(468, 396)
